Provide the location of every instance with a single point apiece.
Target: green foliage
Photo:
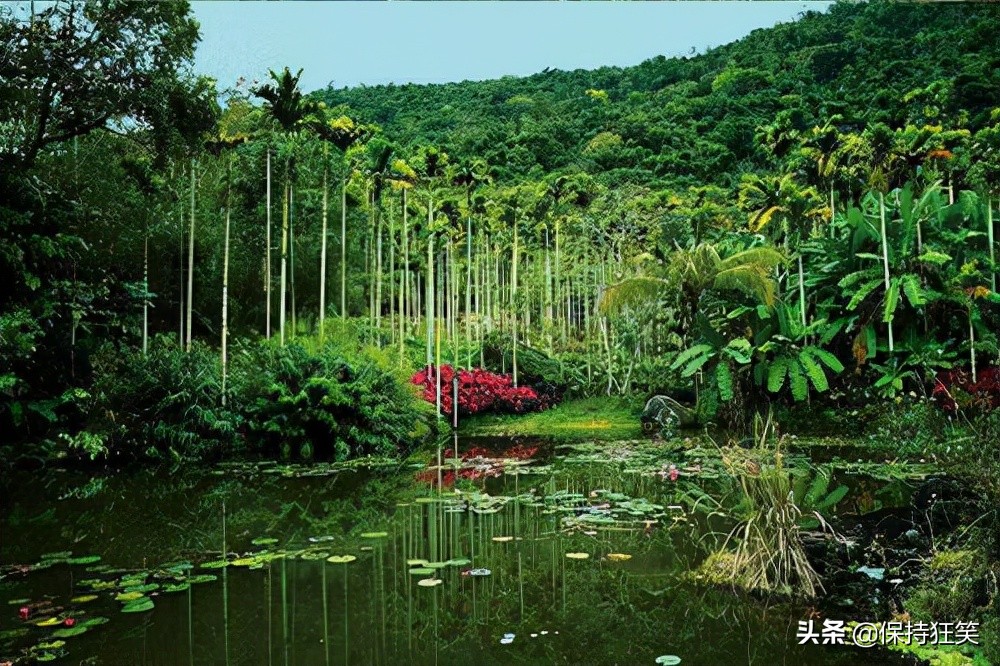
(334, 401)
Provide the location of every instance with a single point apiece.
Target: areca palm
(292, 112)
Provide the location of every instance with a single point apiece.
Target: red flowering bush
(955, 389)
(480, 391)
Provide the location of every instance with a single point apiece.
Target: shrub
(338, 402)
(334, 401)
(481, 391)
(165, 401)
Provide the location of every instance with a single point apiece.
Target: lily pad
(315, 555)
(214, 564)
(409, 563)
(264, 541)
(503, 539)
(87, 559)
(179, 587)
(94, 621)
(458, 562)
(619, 557)
(480, 572)
(48, 622)
(61, 555)
(127, 597)
(421, 571)
(50, 645)
(577, 556)
(138, 606)
(374, 535)
(202, 578)
(69, 632)
(341, 559)
(429, 582)
(84, 598)
(668, 660)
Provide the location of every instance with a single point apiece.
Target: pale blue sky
(348, 43)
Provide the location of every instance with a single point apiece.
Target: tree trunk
(322, 256)
(145, 295)
(267, 267)
(885, 255)
(343, 248)
(284, 261)
(190, 286)
(225, 286)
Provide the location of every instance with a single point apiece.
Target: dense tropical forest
(788, 237)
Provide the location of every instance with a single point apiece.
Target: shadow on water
(526, 554)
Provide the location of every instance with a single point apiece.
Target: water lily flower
(69, 622)
(24, 612)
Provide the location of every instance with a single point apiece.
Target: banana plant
(784, 352)
(722, 359)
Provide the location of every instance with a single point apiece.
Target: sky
(371, 43)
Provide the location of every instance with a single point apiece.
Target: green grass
(606, 418)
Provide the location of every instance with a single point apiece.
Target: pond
(526, 553)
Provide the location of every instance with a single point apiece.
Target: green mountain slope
(686, 121)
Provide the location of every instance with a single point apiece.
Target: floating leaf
(429, 582)
(374, 535)
(480, 572)
(138, 606)
(341, 559)
(264, 541)
(421, 571)
(129, 596)
(179, 587)
(88, 559)
(69, 632)
(409, 563)
(51, 645)
(46, 656)
(668, 660)
(17, 602)
(202, 578)
(315, 555)
(618, 557)
(503, 539)
(214, 564)
(94, 621)
(458, 562)
(48, 622)
(61, 555)
(577, 556)
(82, 599)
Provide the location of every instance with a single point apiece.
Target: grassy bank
(605, 418)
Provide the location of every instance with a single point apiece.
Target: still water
(526, 554)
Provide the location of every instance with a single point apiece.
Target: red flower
(69, 622)
(24, 612)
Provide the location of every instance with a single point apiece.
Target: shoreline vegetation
(790, 237)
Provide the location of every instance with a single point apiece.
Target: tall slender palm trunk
(190, 285)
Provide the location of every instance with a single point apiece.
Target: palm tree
(470, 176)
(690, 273)
(292, 112)
(343, 133)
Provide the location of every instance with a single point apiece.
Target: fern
(912, 289)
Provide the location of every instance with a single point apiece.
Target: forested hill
(692, 121)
